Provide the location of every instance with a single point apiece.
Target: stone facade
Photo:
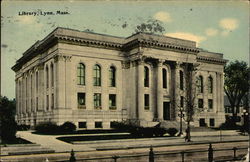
(92, 79)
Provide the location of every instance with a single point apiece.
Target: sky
(217, 26)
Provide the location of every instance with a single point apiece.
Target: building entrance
(166, 110)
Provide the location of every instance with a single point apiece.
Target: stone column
(218, 92)
(140, 89)
(60, 82)
(159, 91)
(222, 93)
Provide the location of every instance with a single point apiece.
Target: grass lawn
(71, 139)
(94, 131)
(16, 141)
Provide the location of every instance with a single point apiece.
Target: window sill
(112, 108)
(98, 108)
(81, 107)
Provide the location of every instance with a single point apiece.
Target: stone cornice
(158, 45)
(211, 60)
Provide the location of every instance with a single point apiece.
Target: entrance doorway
(166, 110)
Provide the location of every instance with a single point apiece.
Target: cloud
(211, 32)
(163, 16)
(229, 24)
(188, 36)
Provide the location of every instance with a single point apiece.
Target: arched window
(97, 75)
(146, 76)
(210, 84)
(47, 77)
(81, 74)
(52, 75)
(200, 84)
(164, 78)
(181, 80)
(112, 76)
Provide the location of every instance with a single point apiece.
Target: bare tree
(189, 97)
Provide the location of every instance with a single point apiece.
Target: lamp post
(181, 115)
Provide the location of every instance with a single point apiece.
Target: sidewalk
(50, 141)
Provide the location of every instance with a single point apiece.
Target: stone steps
(24, 150)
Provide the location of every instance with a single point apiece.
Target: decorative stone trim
(211, 60)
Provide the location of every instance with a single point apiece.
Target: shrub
(159, 132)
(47, 128)
(67, 127)
(23, 127)
(172, 131)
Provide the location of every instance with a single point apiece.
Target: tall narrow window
(181, 80)
(52, 101)
(146, 76)
(81, 74)
(200, 84)
(36, 103)
(210, 84)
(112, 76)
(47, 102)
(164, 78)
(47, 77)
(37, 82)
(81, 100)
(52, 75)
(210, 103)
(97, 101)
(97, 75)
(146, 101)
(31, 95)
(112, 102)
(200, 103)
(182, 102)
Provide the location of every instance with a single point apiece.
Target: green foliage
(67, 127)
(229, 124)
(47, 128)
(172, 131)
(53, 128)
(8, 124)
(151, 26)
(23, 127)
(139, 131)
(236, 83)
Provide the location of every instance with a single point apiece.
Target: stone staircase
(24, 149)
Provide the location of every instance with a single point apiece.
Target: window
(200, 103)
(202, 122)
(36, 103)
(164, 78)
(211, 122)
(210, 103)
(52, 101)
(47, 77)
(146, 76)
(98, 124)
(52, 75)
(82, 124)
(97, 75)
(112, 102)
(81, 100)
(81, 74)
(200, 84)
(210, 84)
(182, 101)
(181, 80)
(97, 101)
(112, 76)
(228, 109)
(37, 82)
(146, 101)
(47, 102)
